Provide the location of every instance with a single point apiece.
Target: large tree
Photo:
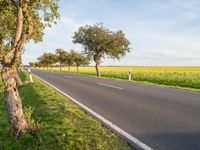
(99, 42)
(20, 22)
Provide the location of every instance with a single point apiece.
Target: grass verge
(63, 124)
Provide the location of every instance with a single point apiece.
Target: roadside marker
(129, 75)
(129, 138)
(31, 78)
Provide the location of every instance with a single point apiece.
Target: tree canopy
(47, 59)
(99, 42)
(61, 55)
(80, 59)
(21, 21)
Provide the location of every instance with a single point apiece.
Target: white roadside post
(31, 78)
(130, 75)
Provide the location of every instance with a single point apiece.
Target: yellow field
(134, 69)
(176, 76)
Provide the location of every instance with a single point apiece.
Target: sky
(161, 32)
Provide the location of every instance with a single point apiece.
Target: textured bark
(13, 103)
(60, 67)
(77, 69)
(20, 18)
(97, 61)
(19, 81)
(9, 72)
(97, 70)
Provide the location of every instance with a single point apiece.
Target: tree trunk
(77, 69)
(60, 67)
(13, 103)
(19, 81)
(97, 70)
(69, 68)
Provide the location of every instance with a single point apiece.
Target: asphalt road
(162, 118)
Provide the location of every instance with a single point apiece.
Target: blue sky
(161, 32)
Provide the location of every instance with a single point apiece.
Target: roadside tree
(61, 55)
(47, 59)
(20, 22)
(31, 64)
(80, 60)
(99, 42)
(69, 59)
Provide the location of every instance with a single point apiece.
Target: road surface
(162, 118)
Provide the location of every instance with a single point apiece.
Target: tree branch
(14, 3)
(19, 28)
(1, 54)
(24, 36)
(20, 19)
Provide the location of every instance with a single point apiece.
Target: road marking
(112, 86)
(68, 76)
(130, 139)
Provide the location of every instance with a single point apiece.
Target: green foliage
(8, 20)
(80, 59)
(63, 58)
(63, 125)
(23, 76)
(69, 58)
(1, 86)
(42, 13)
(61, 55)
(47, 59)
(33, 125)
(32, 64)
(99, 42)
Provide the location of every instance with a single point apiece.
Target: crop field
(187, 77)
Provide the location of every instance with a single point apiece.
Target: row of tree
(61, 58)
(98, 42)
(25, 20)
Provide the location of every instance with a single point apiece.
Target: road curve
(162, 118)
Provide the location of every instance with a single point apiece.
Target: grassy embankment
(184, 77)
(62, 124)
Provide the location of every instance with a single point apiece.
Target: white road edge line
(123, 133)
(112, 86)
(68, 76)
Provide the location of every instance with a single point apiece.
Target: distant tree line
(98, 43)
(61, 58)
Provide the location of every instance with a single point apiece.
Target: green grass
(63, 124)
